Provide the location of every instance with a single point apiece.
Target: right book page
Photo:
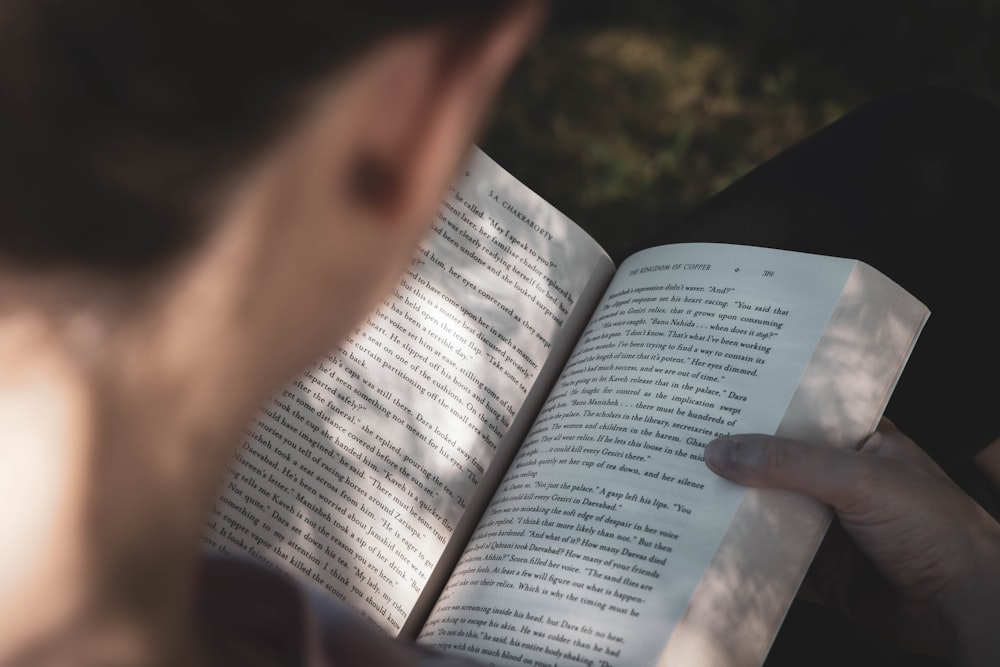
(761, 561)
(609, 541)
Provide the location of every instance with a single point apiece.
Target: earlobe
(429, 95)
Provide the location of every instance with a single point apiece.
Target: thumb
(831, 475)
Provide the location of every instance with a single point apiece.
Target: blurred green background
(640, 110)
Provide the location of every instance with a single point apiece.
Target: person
(199, 198)
(196, 200)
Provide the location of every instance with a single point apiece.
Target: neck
(98, 397)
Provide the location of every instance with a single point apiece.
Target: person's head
(297, 146)
(197, 198)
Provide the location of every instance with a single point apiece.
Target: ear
(426, 96)
(325, 224)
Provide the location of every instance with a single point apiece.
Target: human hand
(934, 550)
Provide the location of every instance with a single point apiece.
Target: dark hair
(118, 118)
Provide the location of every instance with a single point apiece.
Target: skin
(122, 399)
(928, 574)
(988, 461)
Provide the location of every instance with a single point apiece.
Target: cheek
(342, 273)
(356, 287)
(374, 283)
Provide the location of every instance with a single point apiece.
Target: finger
(836, 477)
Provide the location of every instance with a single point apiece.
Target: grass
(640, 110)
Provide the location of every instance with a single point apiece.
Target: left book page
(354, 477)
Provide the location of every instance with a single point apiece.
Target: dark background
(632, 112)
(638, 110)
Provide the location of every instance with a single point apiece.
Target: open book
(506, 459)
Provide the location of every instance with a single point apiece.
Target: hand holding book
(934, 549)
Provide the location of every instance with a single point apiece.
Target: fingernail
(720, 454)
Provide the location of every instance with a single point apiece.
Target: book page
(354, 477)
(608, 517)
(763, 557)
